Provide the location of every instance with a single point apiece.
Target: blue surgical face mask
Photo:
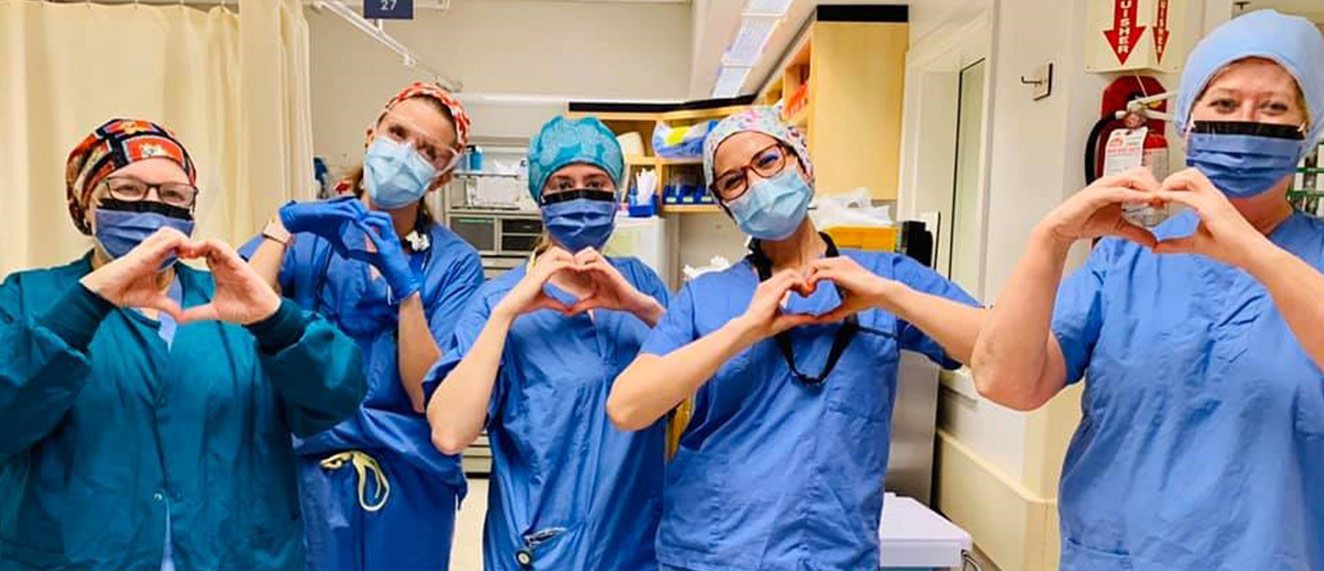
(395, 174)
(121, 226)
(579, 219)
(1244, 159)
(774, 208)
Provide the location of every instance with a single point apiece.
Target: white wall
(582, 50)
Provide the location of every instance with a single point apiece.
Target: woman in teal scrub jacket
(140, 435)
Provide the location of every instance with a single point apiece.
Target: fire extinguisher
(1129, 131)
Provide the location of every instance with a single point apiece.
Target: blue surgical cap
(563, 142)
(1290, 41)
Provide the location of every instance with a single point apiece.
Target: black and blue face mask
(122, 225)
(1243, 158)
(578, 219)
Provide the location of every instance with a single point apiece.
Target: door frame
(933, 75)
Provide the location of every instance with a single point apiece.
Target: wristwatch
(276, 232)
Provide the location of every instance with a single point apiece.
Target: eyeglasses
(766, 163)
(441, 156)
(129, 189)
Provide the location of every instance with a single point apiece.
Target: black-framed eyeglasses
(129, 189)
(767, 163)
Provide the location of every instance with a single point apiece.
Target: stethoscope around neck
(850, 327)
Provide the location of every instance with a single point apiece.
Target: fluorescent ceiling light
(750, 41)
(767, 7)
(730, 80)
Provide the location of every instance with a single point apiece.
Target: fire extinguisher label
(1124, 150)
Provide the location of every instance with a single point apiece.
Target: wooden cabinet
(842, 82)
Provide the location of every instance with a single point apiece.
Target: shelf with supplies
(691, 209)
(648, 161)
(481, 174)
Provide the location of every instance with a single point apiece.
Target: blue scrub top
(1202, 441)
(773, 474)
(567, 485)
(345, 291)
(107, 433)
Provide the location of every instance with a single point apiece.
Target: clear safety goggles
(436, 152)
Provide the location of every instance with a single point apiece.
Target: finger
(557, 253)
(844, 279)
(165, 305)
(161, 243)
(351, 207)
(381, 222)
(787, 321)
(543, 301)
(1123, 195)
(545, 270)
(587, 255)
(1183, 245)
(1138, 178)
(371, 236)
(602, 266)
(1136, 234)
(590, 302)
(164, 234)
(221, 255)
(1191, 180)
(779, 285)
(837, 315)
(836, 262)
(1191, 199)
(382, 230)
(197, 313)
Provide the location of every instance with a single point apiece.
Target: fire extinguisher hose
(1092, 149)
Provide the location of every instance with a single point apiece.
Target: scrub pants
(413, 530)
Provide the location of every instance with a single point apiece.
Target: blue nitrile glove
(389, 258)
(327, 219)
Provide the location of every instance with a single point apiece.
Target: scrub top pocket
(1078, 557)
(867, 396)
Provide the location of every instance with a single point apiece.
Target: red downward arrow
(1125, 34)
(1161, 30)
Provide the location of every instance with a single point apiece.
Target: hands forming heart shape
(136, 280)
(1223, 233)
(861, 289)
(606, 287)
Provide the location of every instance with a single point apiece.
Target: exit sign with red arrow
(1134, 35)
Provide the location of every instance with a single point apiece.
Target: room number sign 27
(388, 9)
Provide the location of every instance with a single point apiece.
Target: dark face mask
(579, 219)
(121, 225)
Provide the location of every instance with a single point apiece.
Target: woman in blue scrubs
(534, 357)
(1202, 439)
(375, 493)
(791, 358)
(148, 406)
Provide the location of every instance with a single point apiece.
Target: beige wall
(583, 50)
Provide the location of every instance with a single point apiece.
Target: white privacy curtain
(234, 87)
